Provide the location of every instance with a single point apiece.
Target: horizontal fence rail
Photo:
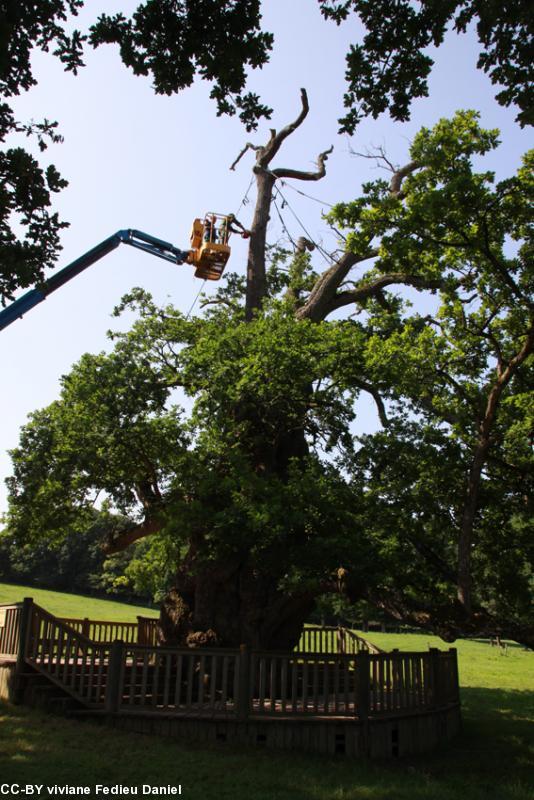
(309, 684)
(9, 629)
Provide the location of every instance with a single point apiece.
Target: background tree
(77, 563)
(390, 67)
(262, 495)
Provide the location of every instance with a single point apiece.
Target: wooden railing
(9, 629)
(223, 683)
(304, 683)
(330, 641)
(68, 658)
(198, 682)
(141, 632)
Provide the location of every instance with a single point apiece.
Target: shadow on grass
(493, 758)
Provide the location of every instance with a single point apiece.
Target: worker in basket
(230, 225)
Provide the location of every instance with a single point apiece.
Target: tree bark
(256, 281)
(233, 602)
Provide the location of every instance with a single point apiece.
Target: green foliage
(391, 67)
(31, 246)
(173, 42)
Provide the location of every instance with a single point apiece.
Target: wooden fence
(329, 640)
(144, 631)
(349, 682)
(9, 629)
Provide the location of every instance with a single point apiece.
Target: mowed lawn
(74, 605)
(492, 759)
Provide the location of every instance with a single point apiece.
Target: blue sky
(134, 159)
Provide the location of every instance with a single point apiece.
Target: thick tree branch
(395, 185)
(449, 620)
(119, 543)
(300, 175)
(375, 394)
(267, 153)
(371, 289)
(327, 284)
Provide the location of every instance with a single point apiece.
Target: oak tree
(261, 497)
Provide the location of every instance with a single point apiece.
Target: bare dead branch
(301, 175)
(378, 155)
(275, 142)
(248, 146)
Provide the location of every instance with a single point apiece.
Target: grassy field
(73, 605)
(492, 759)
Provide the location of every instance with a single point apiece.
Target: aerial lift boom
(207, 256)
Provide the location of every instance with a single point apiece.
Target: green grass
(73, 605)
(492, 759)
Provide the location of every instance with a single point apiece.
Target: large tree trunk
(232, 603)
(256, 281)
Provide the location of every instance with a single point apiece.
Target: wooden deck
(333, 678)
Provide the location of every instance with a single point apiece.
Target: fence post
(86, 627)
(114, 683)
(244, 683)
(363, 686)
(25, 622)
(435, 676)
(454, 657)
(141, 638)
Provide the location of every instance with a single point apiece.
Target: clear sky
(137, 160)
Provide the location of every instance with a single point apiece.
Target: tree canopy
(261, 494)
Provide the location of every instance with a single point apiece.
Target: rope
(245, 199)
(195, 300)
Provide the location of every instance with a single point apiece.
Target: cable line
(195, 300)
(316, 199)
(284, 226)
(327, 257)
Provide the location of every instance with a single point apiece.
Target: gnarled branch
(300, 175)
(248, 146)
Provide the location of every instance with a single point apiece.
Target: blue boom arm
(143, 241)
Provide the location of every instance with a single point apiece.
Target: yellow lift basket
(209, 246)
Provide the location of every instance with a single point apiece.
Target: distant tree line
(77, 564)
